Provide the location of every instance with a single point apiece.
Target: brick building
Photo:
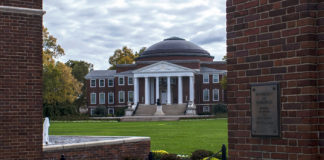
(276, 41)
(174, 70)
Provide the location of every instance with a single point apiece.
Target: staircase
(174, 109)
(145, 110)
(169, 110)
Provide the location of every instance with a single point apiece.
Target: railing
(135, 108)
(186, 108)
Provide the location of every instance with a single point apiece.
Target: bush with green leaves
(100, 111)
(200, 154)
(170, 157)
(210, 158)
(158, 154)
(220, 108)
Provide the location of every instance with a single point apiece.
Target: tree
(123, 56)
(79, 69)
(59, 85)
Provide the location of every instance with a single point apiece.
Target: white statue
(46, 126)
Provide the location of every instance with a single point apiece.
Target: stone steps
(145, 110)
(148, 118)
(149, 110)
(174, 109)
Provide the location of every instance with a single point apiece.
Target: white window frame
(204, 78)
(204, 94)
(95, 98)
(92, 111)
(128, 96)
(113, 110)
(113, 98)
(103, 82)
(206, 109)
(112, 79)
(104, 96)
(120, 96)
(132, 81)
(214, 75)
(214, 94)
(123, 81)
(94, 83)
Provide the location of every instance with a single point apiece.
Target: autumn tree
(79, 70)
(59, 85)
(124, 56)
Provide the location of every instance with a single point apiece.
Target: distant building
(174, 70)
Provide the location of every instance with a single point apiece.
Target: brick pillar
(20, 79)
(276, 41)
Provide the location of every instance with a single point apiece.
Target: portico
(160, 81)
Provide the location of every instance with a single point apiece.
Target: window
(111, 111)
(206, 95)
(121, 80)
(206, 109)
(121, 96)
(215, 94)
(92, 111)
(93, 98)
(130, 96)
(130, 81)
(111, 82)
(215, 78)
(111, 98)
(205, 78)
(101, 98)
(101, 83)
(92, 83)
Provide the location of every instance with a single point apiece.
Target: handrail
(135, 108)
(186, 107)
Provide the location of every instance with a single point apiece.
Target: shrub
(170, 157)
(158, 154)
(119, 112)
(210, 158)
(220, 108)
(100, 111)
(200, 154)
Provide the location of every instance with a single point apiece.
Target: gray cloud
(91, 30)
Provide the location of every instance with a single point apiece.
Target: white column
(136, 93)
(180, 90)
(191, 89)
(169, 90)
(157, 89)
(147, 91)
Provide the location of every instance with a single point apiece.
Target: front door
(163, 97)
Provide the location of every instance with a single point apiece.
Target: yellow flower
(210, 158)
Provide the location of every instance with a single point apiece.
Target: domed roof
(174, 46)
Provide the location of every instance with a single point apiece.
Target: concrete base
(159, 111)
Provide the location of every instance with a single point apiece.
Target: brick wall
(20, 82)
(321, 76)
(276, 41)
(137, 150)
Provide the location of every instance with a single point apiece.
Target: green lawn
(181, 137)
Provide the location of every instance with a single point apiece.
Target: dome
(175, 47)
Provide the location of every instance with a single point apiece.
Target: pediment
(163, 67)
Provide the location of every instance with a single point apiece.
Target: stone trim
(95, 143)
(28, 11)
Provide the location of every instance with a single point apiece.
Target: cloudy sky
(91, 30)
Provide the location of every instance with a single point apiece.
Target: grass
(180, 137)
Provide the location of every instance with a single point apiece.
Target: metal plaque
(265, 107)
